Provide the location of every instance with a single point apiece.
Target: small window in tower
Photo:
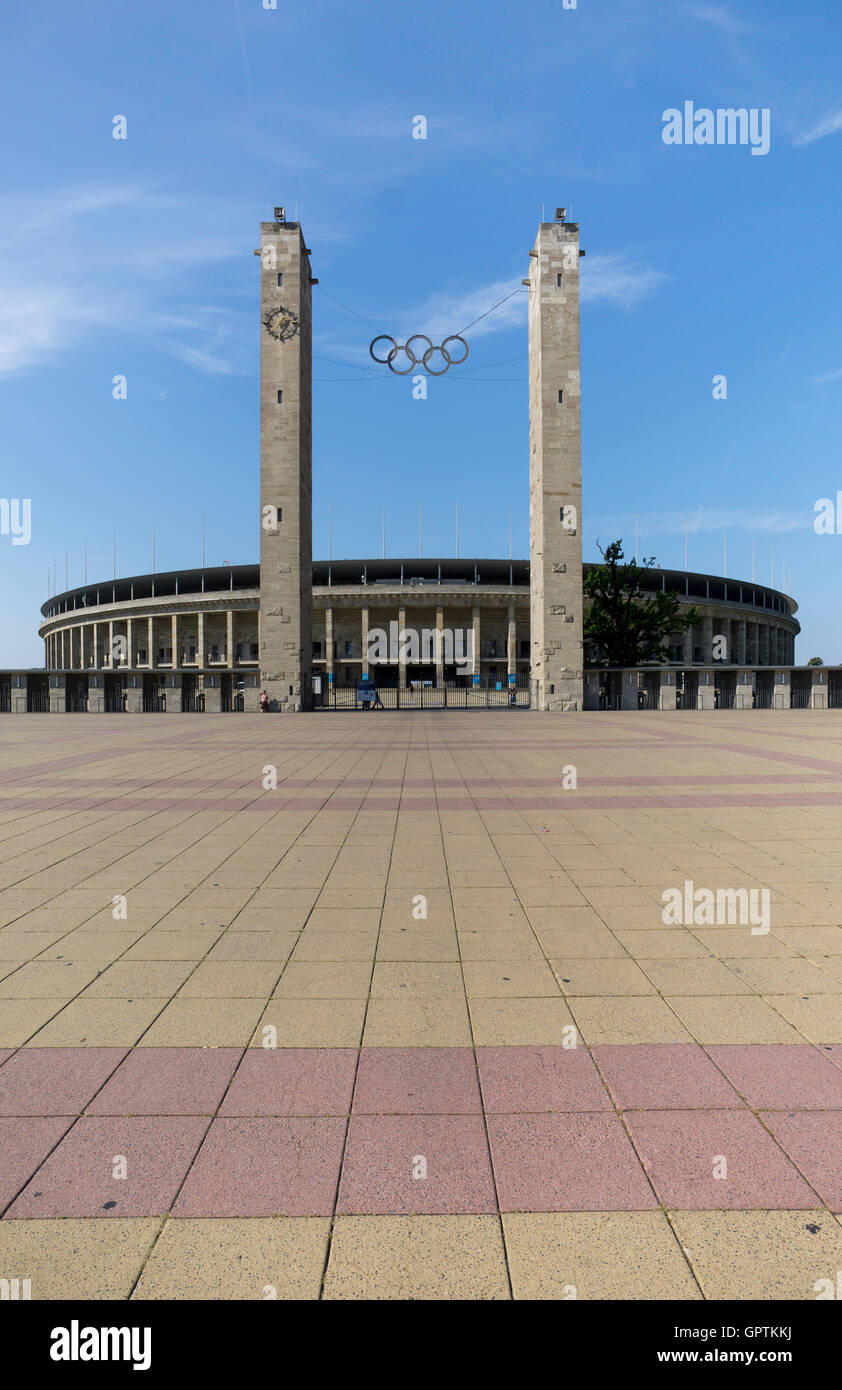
(560, 397)
(280, 397)
(558, 280)
(281, 277)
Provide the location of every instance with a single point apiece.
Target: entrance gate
(76, 697)
(37, 695)
(192, 699)
(425, 695)
(154, 695)
(114, 695)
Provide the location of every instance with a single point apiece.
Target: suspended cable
(519, 290)
(353, 312)
(337, 363)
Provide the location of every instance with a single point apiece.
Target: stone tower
(555, 468)
(286, 526)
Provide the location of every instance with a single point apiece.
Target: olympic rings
(395, 351)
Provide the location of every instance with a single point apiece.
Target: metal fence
(451, 696)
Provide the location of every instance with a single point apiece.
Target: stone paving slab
(415, 1024)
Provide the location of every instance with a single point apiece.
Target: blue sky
(135, 257)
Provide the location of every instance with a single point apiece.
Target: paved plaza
(383, 1006)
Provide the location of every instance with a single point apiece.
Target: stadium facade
(213, 638)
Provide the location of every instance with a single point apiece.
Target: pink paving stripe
(269, 803)
(309, 1131)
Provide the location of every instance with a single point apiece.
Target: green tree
(627, 623)
(815, 661)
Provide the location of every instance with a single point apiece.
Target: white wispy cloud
(705, 519)
(718, 15)
(110, 258)
(835, 375)
(829, 124)
(614, 278)
(610, 278)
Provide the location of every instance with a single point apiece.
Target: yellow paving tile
(417, 1023)
(818, 1017)
(417, 980)
(627, 1020)
(49, 979)
(324, 980)
(139, 979)
(509, 979)
(417, 1257)
(761, 1255)
(244, 979)
(311, 1023)
(777, 975)
(533, 1022)
(77, 1259)
(88, 1022)
(586, 975)
(250, 1258)
(204, 1023)
(20, 1019)
(732, 1019)
(596, 1255)
(701, 975)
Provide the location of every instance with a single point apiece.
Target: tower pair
(555, 469)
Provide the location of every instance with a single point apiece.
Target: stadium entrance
(422, 693)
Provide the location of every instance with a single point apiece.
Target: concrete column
(81, 648)
(667, 694)
(707, 640)
(744, 688)
(401, 644)
(818, 693)
(200, 640)
(213, 696)
(555, 469)
(58, 696)
(329, 673)
(742, 651)
(134, 697)
(150, 643)
(763, 644)
(511, 643)
(364, 640)
(477, 631)
(129, 648)
(705, 698)
(173, 693)
(439, 646)
(176, 655)
(753, 655)
(229, 638)
(782, 690)
(629, 681)
(96, 647)
(286, 524)
(687, 647)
